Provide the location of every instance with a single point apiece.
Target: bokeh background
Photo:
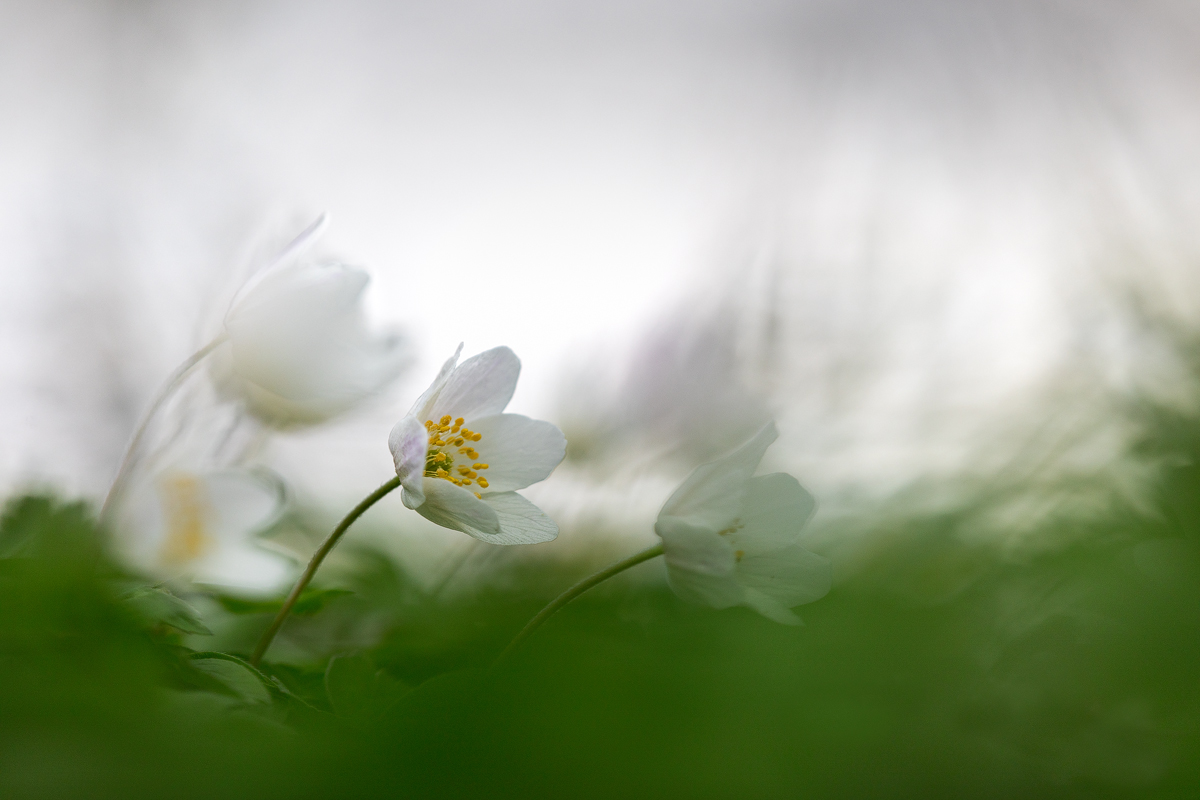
(950, 247)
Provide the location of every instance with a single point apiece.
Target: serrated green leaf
(240, 678)
(155, 604)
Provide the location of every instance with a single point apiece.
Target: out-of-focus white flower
(730, 538)
(200, 526)
(460, 460)
(299, 350)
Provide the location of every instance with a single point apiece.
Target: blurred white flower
(299, 350)
(460, 460)
(730, 539)
(200, 526)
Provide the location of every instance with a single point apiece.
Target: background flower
(300, 350)
(730, 538)
(200, 525)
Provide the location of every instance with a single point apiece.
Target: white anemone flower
(460, 459)
(299, 349)
(200, 526)
(730, 538)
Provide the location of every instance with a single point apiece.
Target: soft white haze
(932, 200)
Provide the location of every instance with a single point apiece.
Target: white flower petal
(409, 443)
(325, 289)
(518, 450)
(299, 350)
(790, 575)
(700, 563)
(770, 608)
(202, 526)
(281, 260)
(424, 405)
(246, 568)
(712, 495)
(774, 510)
(704, 590)
(521, 522)
(480, 387)
(242, 503)
(458, 509)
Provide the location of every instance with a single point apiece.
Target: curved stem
(575, 591)
(370, 500)
(135, 442)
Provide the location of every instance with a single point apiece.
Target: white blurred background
(909, 230)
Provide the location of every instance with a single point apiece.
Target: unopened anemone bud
(299, 350)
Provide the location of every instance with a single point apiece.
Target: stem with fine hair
(135, 442)
(575, 591)
(269, 635)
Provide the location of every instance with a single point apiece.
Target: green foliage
(937, 667)
(237, 677)
(311, 601)
(156, 605)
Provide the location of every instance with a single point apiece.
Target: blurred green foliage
(938, 666)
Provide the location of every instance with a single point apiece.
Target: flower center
(186, 511)
(730, 531)
(449, 441)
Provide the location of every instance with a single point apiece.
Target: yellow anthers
(477, 494)
(734, 528)
(186, 510)
(439, 463)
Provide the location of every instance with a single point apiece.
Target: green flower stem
(575, 591)
(269, 635)
(135, 443)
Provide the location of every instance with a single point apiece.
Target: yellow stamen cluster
(734, 528)
(448, 437)
(185, 508)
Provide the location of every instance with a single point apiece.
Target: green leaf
(156, 605)
(44, 527)
(311, 601)
(241, 679)
(357, 689)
